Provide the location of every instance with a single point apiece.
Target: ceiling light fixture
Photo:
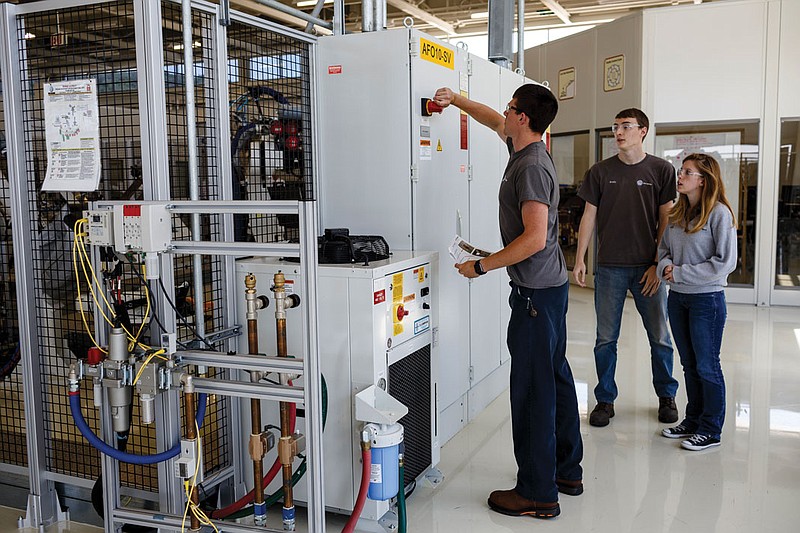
(309, 3)
(479, 15)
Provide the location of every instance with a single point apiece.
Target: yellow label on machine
(436, 53)
(421, 275)
(397, 287)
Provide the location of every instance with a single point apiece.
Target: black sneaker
(699, 442)
(678, 432)
(667, 410)
(601, 414)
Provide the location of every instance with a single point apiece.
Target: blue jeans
(697, 322)
(611, 285)
(544, 407)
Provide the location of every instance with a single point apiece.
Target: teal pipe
(401, 499)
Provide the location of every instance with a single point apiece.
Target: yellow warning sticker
(397, 287)
(439, 146)
(421, 275)
(437, 53)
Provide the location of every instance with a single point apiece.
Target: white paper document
(72, 134)
(461, 251)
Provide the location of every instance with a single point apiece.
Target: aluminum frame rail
(310, 395)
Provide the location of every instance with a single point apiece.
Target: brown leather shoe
(510, 503)
(667, 410)
(601, 414)
(570, 487)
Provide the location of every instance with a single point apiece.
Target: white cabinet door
(440, 201)
(488, 155)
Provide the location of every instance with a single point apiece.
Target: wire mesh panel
(215, 432)
(87, 42)
(270, 112)
(12, 410)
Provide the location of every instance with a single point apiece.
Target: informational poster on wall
(725, 146)
(72, 134)
(614, 73)
(566, 83)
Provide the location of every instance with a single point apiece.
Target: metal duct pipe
(367, 15)
(315, 13)
(501, 27)
(373, 15)
(283, 8)
(194, 179)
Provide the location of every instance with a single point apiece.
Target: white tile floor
(637, 481)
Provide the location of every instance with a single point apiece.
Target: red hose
(366, 466)
(268, 477)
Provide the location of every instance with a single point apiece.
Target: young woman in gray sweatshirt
(696, 254)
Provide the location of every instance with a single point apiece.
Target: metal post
(221, 103)
(198, 290)
(43, 506)
(338, 17)
(521, 35)
(313, 372)
(155, 167)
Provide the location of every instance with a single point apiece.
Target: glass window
(787, 249)
(571, 157)
(606, 144)
(735, 146)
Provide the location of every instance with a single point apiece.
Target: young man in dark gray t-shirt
(628, 197)
(544, 406)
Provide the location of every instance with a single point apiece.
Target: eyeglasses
(684, 172)
(515, 109)
(627, 126)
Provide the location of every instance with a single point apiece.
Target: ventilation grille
(409, 382)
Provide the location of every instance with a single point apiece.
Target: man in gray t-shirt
(628, 198)
(544, 408)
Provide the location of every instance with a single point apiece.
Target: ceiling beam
(557, 9)
(414, 11)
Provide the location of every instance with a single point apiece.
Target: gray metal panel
(364, 119)
(488, 156)
(441, 210)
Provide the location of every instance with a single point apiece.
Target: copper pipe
(255, 404)
(191, 434)
(279, 284)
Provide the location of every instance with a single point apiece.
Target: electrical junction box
(142, 227)
(376, 328)
(100, 227)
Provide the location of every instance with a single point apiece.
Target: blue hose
(94, 440)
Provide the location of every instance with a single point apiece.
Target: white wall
(789, 60)
(707, 62)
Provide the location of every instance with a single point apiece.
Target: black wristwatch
(479, 268)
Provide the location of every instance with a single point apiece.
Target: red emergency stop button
(401, 312)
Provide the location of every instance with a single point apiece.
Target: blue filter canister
(383, 478)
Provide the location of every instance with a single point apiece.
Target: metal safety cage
(221, 384)
(13, 452)
(131, 48)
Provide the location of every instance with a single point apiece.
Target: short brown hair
(636, 114)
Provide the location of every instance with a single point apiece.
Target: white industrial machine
(418, 181)
(376, 325)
